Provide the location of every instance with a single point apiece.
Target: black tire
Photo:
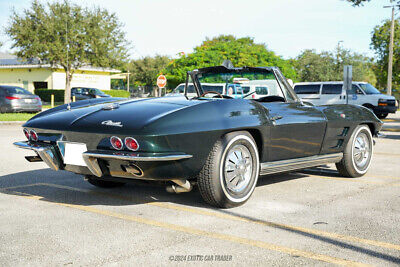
(212, 178)
(349, 165)
(382, 115)
(102, 183)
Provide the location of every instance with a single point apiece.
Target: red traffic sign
(161, 81)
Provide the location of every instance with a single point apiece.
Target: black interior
(271, 98)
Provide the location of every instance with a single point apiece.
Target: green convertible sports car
(211, 140)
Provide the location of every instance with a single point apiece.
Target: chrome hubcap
(362, 150)
(238, 168)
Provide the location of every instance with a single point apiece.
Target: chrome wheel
(238, 168)
(361, 150)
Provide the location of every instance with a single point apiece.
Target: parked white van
(260, 88)
(208, 87)
(364, 94)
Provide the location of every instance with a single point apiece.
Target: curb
(12, 122)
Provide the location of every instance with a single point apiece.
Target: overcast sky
(287, 27)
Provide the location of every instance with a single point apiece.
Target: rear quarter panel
(194, 130)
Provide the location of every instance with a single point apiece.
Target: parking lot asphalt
(312, 217)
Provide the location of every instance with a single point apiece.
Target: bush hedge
(117, 93)
(45, 94)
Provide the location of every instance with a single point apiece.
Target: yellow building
(33, 75)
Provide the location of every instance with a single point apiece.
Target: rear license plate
(28, 100)
(73, 153)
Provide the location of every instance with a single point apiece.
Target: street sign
(348, 81)
(161, 81)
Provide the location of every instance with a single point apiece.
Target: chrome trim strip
(46, 152)
(91, 158)
(131, 156)
(298, 163)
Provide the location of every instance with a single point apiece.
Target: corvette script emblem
(112, 123)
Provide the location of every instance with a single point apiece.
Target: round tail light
(33, 135)
(131, 143)
(116, 142)
(26, 133)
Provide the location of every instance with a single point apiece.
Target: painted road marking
(233, 217)
(390, 130)
(202, 233)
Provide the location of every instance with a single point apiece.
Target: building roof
(8, 61)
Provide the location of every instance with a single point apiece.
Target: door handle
(275, 118)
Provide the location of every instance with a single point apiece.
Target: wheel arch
(371, 127)
(257, 136)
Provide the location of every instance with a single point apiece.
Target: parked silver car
(17, 99)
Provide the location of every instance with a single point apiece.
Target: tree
(328, 66)
(361, 2)
(68, 36)
(380, 44)
(146, 70)
(212, 52)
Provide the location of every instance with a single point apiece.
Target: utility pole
(128, 80)
(390, 61)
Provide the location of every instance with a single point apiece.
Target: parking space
(312, 217)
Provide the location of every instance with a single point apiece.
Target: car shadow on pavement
(390, 136)
(68, 188)
(71, 188)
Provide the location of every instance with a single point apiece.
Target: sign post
(348, 81)
(161, 83)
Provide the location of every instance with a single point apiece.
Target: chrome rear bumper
(91, 158)
(51, 155)
(46, 152)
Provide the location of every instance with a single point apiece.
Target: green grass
(15, 116)
(56, 104)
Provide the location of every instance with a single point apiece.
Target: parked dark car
(82, 93)
(17, 99)
(218, 143)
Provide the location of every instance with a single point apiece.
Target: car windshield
(18, 90)
(237, 84)
(95, 91)
(369, 89)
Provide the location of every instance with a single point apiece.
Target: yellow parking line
(20, 186)
(390, 130)
(237, 218)
(202, 233)
(388, 120)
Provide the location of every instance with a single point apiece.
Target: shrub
(45, 94)
(117, 93)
